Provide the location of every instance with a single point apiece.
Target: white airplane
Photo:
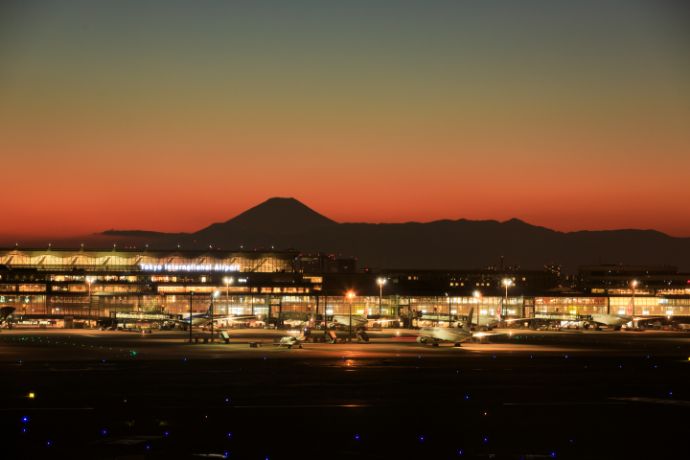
(436, 335)
(358, 321)
(294, 323)
(202, 319)
(595, 320)
(290, 341)
(613, 321)
(384, 323)
(234, 320)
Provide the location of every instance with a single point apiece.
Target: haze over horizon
(172, 115)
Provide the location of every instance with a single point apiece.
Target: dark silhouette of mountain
(275, 216)
(286, 223)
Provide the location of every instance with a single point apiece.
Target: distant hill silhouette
(286, 223)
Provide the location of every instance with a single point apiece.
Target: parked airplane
(613, 321)
(436, 335)
(593, 321)
(234, 320)
(358, 321)
(203, 319)
(384, 323)
(291, 341)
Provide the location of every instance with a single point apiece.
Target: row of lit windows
(570, 300)
(477, 284)
(235, 289)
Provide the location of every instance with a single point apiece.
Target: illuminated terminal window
(148, 261)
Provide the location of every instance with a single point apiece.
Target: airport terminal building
(89, 284)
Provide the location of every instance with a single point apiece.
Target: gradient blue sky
(169, 115)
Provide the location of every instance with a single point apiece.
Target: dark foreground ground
(528, 395)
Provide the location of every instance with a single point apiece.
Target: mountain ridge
(441, 244)
(282, 223)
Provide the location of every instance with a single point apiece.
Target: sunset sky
(170, 115)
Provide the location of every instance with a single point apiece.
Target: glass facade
(102, 283)
(148, 261)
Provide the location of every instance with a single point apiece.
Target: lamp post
(507, 282)
(380, 281)
(214, 296)
(478, 296)
(228, 280)
(191, 300)
(350, 297)
(448, 301)
(633, 286)
(89, 282)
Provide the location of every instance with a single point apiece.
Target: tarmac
(518, 394)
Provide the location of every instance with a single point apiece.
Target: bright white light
(507, 282)
(189, 267)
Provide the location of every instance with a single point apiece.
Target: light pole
(228, 280)
(633, 286)
(380, 281)
(507, 282)
(478, 296)
(214, 296)
(89, 282)
(448, 300)
(350, 296)
(191, 300)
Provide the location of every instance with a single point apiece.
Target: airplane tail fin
(468, 324)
